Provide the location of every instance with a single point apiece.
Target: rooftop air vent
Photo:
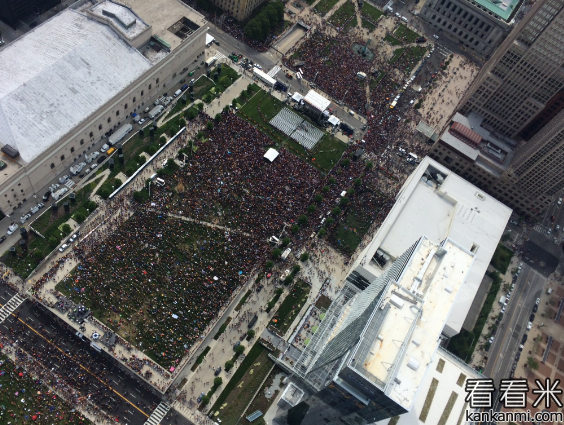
(413, 363)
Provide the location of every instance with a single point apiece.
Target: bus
(210, 62)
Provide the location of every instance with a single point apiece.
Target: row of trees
(269, 18)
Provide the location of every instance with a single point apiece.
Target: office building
(79, 76)
(239, 9)
(523, 75)
(525, 179)
(11, 11)
(479, 25)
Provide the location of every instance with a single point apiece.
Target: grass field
(392, 40)
(241, 388)
(375, 81)
(396, 55)
(368, 25)
(353, 23)
(326, 153)
(348, 234)
(415, 54)
(405, 34)
(325, 6)
(370, 12)
(260, 402)
(342, 15)
(26, 400)
(291, 306)
(501, 258)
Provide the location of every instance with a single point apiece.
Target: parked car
(47, 196)
(101, 159)
(200, 397)
(64, 178)
(25, 218)
(524, 339)
(529, 326)
(34, 209)
(2, 239)
(517, 357)
(73, 237)
(537, 302)
(238, 343)
(491, 340)
(13, 227)
(104, 148)
(41, 205)
(63, 247)
(217, 371)
(535, 308)
(142, 121)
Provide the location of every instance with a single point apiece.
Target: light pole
(149, 188)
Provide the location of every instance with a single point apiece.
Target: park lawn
(325, 6)
(260, 402)
(368, 25)
(23, 396)
(370, 12)
(392, 40)
(501, 258)
(202, 85)
(326, 153)
(349, 233)
(343, 14)
(416, 53)
(407, 35)
(240, 389)
(353, 23)
(375, 81)
(243, 300)
(291, 306)
(463, 344)
(397, 54)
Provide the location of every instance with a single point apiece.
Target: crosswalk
(443, 50)
(274, 71)
(69, 183)
(541, 229)
(10, 306)
(158, 414)
(219, 56)
(194, 416)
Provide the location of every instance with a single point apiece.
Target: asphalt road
(95, 375)
(502, 353)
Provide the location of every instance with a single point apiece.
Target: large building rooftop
(501, 8)
(439, 204)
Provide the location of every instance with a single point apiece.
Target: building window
(109, 120)
(100, 127)
(62, 157)
(72, 149)
(81, 141)
(125, 107)
(134, 99)
(150, 86)
(157, 81)
(91, 134)
(117, 113)
(52, 165)
(448, 159)
(142, 92)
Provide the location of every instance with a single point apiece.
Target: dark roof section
(10, 151)
(361, 278)
(460, 131)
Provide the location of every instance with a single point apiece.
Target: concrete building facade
(524, 74)
(478, 25)
(114, 59)
(239, 9)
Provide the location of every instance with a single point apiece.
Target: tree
(532, 363)
(217, 381)
(318, 198)
(78, 217)
(311, 209)
(240, 349)
(105, 191)
(152, 149)
(226, 109)
(304, 257)
(332, 180)
(268, 265)
(53, 241)
(369, 165)
(229, 365)
(346, 162)
(336, 211)
(206, 400)
(357, 182)
(276, 253)
(191, 113)
(302, 219)
(162, 140)
(350, 191)
(250, 334)
(329, 221)
(322, 232)
(325, 189)
(207, 98)
(209, 125)
(66, 229)
(285, 241)
(200, 106)
(218, 117)
(38, 255)
(295, 228)
(344, 200)
(200, 135)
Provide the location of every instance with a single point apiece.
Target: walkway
(204, 223)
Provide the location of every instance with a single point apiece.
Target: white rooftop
(57, 75)
(317, 101)
(456, 209)
(124, 19)
(271, 154)
(409, 334)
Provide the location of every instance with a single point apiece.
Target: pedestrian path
(194, 416)
(274, 71)
(10, 306)
(204, 223)
(158, 414)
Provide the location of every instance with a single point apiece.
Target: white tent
(271, 154)
(209, 39)
(297, 97)
(334, 120)
(317, 101)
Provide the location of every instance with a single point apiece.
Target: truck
(285, 254)
(209, 62)
(265, 78)
(120, 134)
(136, 117)
(156, 111)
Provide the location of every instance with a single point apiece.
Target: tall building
(524, 74)
(374, 354)
(11, 11)
(479, 25)
(239, 9)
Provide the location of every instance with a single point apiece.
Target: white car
(436, 37)
(73, 237)
(491, 340)
(258, 66)
(537, 302)
(64, 178)
(93, 166)
(105, 148)
(95, 155)
(13, 227)
(559, 201)
(529, 326)
(25, 218)
(142, 121)
(503, 309)
(63, 247)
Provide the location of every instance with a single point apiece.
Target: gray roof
(57, 75)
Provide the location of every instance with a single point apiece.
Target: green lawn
(396, 55)
(342, 15)
(463, 344)
(415, 53)
(501, 258)
(325, 6)
(291, 306)
(23, 397)
(407, 35)
(349, 233)
(370, 12)
(353, 23)
(368, 25)
(241, 388)
(375, 81)
(392, 40)
(243, 300)
(326, 153)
